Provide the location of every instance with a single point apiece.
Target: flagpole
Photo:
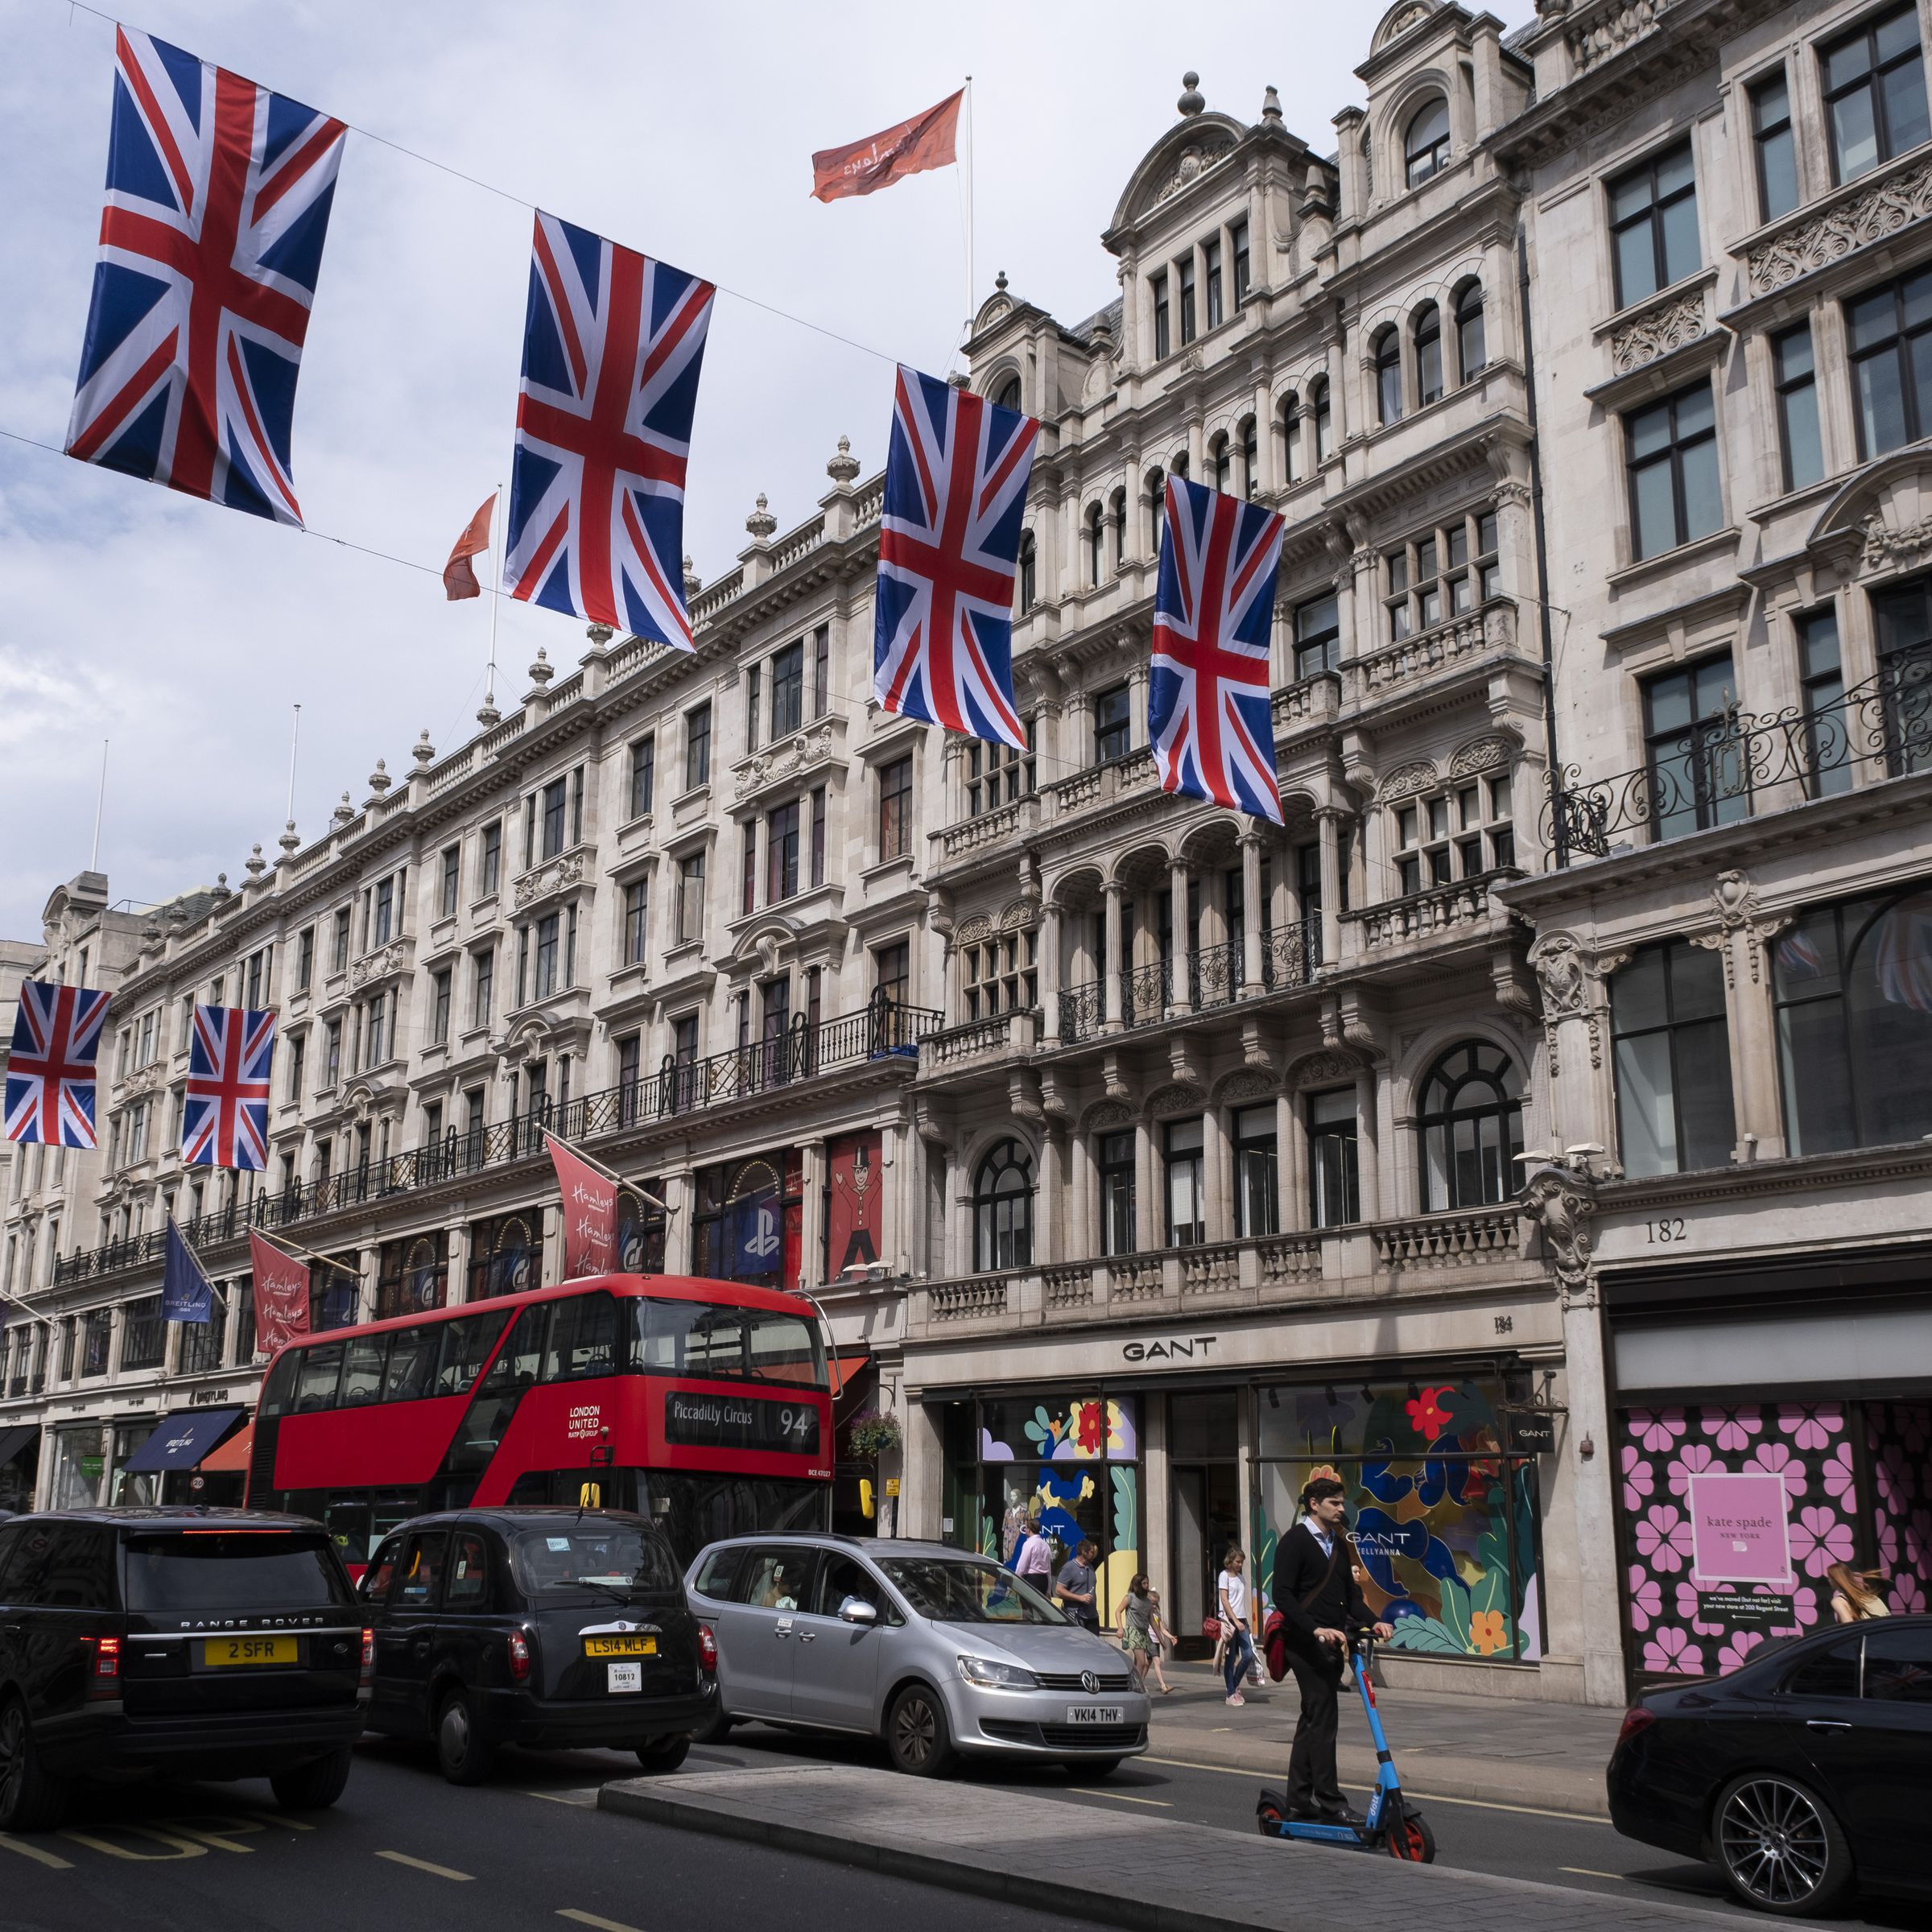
(496, 555)
(615, 1178)
(294, 739)
(296, 1252)
(93, 864)
(972, 158)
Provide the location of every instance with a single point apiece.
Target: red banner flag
(927, 140)
(459, 579)
(590, 1213)
(281, 1294)
(853, 1216)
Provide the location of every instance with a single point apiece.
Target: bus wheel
(663, 1753)
(461, 1748)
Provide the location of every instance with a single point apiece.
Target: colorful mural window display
(1898, 1442)
(1444, 1523)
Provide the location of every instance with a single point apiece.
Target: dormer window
(1426, 144)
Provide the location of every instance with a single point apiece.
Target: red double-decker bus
(703, 1405)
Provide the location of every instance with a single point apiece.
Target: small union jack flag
(225, 1123)
(218, 196)
(1209, 719)
(49, 1068)
(613, 343)
(949, 545)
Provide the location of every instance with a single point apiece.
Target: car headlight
(986, 1670)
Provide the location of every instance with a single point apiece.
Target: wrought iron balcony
(1290, 956)
(1725, 768)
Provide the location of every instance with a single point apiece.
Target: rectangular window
(549, 930)
(892, 972)
(1875, 94)
(452, 867)
(748, 869)
(999, 976)
(1901, 618)
(331, 1055)
(1113, 1155)
(339, 947)
(554, 798)
(1237, 236)
(1187, 274)
(1111, 725)
(1822, 677)
(821, 670)
(1771, 135)
(818, 835)
(305, 959)
(1670, 451)
(1700, 774)
(1334, 1187)
(1653, 225)
(570, 962)
(522, 967)
(1889, 331)
(1187, 1214)
(1672, 1059)
(788, 689)
(1162, 337)
(1211, 269)
(636, 921)
(490, 859)
(643, 776)
(378, 1027)
(1257, 1189)
(484, 988)
(298, 1057)
(385, 921)
(691, 896)
(895, 808)
(439, 1012)
(576, 806)
(1317, 637)
(697, 747)
(1794, 370)
(996, 774)
(781, 853)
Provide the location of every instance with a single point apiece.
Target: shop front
(19, 1466)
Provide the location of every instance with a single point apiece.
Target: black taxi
(555, 1629)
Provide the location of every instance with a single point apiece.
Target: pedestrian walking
(1141, 1632)
(1238, 1658)
(1156, 1625)
(1033, 1560)
(1076, 1588)
(1317, 1593)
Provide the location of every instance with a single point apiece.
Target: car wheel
(462, 1750)
(916, 1738)
(663, 1753)
(30, 1799)
(314, 1786)
(1780, 1847)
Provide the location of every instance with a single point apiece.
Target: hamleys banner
(590, 1213)
(927, 140)
(281, 1294)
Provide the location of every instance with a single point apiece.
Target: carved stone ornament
(1324, 1069)
(1885, 545)
(1106, 1114)
(1882, 210)
(391, 958)
(1481, 754)
(1560, 971)
(1175, 1099)
(971, 932)
(1197, 158)
(793, 755)
(1610, 30)
(1018, 916)
(1559, 1207)
(1735, 899)
(1657, 332)
(1247, 1085)
(559, 875)
(1405, 780)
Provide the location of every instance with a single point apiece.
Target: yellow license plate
(250, 1650)
(620, 1646)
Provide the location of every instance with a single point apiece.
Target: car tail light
(519, 1657)
(368, 1654)
(107, 1657)
(707, 1647)
(1635, 1719)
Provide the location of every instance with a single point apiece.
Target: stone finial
(1192, 99)
(423, 751)
(693, 583)
(379, 780)
(1271, 107)
(343, 811)
(843, 467)
(257, 865)
(761, 523)
(150, 934)
(999, 281)
(222, 889)
(600, 635)
(487, 714)
(543, 670)
(290, 841)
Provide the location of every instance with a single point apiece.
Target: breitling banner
(852, 1221)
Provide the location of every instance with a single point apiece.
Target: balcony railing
(884, 1030)
(1146, 992)
(1290, 956)
(1725, 768)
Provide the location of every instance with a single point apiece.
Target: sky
(185, 634)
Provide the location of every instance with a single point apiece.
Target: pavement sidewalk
(1146, 1874)
(1548, 1757)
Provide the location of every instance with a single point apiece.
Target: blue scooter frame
(1392, 1824)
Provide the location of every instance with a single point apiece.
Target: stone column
(1369, 1140)
(1110, 990)
(1253, 913)
(1291, 1152)
(1183, 937)
(1149, 1212)
(680, 1195)
(456, 1266)
(898, 1181)
(1754, 1087)
(1049, 975)
(1049, 1204)
(1156, 1554)
(1137, 707)
(1079, 1241)
(1331, 818)
(811, 1219)
(922, 1471)
(1216, 1175)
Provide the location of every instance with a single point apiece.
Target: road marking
(34, 1852)
(591, 1918)
(1434, 1798)
(422, 1864)
(175, 1845)
(1124, 1797)
(291, 1824)
(1585, 1871)
(586, 1798)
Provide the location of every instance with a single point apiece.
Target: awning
(13, 1440)
(231, 1459)
(180, 1440)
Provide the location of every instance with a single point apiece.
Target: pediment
(1182, 155)
(1885, 510)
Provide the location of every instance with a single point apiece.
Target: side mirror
(855, 1610)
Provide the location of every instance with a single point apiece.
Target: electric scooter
(1393, 1825)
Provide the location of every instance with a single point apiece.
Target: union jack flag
(949, 544)
(225, 1123)
(1209, 715)
(49, 1068)
(218, 196)
(613, 343)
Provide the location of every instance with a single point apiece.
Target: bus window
(720, 1343)
(412, 1363)
(362, 1370)
(316, 1384)
(467, 1343)
(583, 1339)
(516, 1366)
(277, 1393)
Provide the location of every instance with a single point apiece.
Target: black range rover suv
(202, 1643)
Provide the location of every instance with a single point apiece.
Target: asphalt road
(530, 1849)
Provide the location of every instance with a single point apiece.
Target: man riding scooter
(1319, 1600)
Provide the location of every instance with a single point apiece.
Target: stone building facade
(1209, 1154)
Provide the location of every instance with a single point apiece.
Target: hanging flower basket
(871, 1435)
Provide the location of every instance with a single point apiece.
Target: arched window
(1179, 466)
(1428, 355)
(1251, 454)
(1293, 464)
(1217, 463)
(1120, 528)
(1096, 525)
(1470, 1121)
(1002, 1209)
(1157, 509)
(1007, 396)
(640, 1234)
(1471, 352)
(1324, 421)
(1388, 377)
(1426, 144)
(1029, 572)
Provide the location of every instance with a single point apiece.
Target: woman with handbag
(1237, 1657)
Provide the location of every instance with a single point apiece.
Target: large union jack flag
(225, 1123)
(1208, 714)
(949, 544)
(613, 343)
(49, 1068)
(218, 194)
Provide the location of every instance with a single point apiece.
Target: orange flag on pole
(459, 579)
(927, 140)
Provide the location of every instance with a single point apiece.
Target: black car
(203, 1643)
(1805, 1772)
(558, 1628)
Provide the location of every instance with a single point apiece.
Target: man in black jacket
(1319, 1599)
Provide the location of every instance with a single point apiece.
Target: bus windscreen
(716, 1342)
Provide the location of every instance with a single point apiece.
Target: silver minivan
(933, 1650)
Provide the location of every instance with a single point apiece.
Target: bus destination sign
(741, 1421)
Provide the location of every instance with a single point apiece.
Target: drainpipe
(1559, 829)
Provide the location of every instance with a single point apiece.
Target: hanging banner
(590, 1213)
(852, 1220)
(281, 1294)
